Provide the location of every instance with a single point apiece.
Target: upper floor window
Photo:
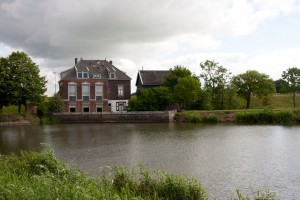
(99, 92)
(85, 92)
(120, 90)
(96, 75)
(72, 92)
(82, 74)
(112, 75)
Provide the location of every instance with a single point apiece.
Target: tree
(55, 104)
(253, 83)
(151, 99)
(216, 79)
(291, 78)
(176, 73)
(186, 91)
(25, 82)
(164, 97)
(4, 81)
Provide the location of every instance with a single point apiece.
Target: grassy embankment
(279, 110)
(42, 176)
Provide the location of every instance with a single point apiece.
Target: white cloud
(150, 33)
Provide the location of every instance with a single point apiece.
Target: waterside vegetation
(254, 116)
(41, 176)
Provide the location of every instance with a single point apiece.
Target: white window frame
(79, 74)
(85, 74)
(86, 106)
(120, 90)
(101, 91)
(72, 107)
(99, 106)
(72, 85)
(122, 105)
(85, 84)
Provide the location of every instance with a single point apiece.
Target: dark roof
(152, 77)
(102, 67)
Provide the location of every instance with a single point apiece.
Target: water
(222, 157)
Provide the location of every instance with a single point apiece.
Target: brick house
(150, 78)
(94, 86)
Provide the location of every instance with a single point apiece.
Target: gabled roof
(93, 67)
(152, 77)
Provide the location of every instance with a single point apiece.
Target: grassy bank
(251, 116)
(42, 176)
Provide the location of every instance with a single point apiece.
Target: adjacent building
(94, 86)
(150, 78)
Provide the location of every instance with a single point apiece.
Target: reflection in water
(15, 139)
(222, 157)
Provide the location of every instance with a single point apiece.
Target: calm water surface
(222, 157)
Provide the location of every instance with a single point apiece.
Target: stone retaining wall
(148, 116)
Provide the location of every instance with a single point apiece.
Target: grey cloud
(59, 30)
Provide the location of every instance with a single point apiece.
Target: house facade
(150, 78)
(93, 86)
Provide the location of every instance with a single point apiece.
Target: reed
(35, 175)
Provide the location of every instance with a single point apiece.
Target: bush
(266, 116)
(210, 119)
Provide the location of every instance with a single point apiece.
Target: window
(99, 92)
(97, 76)
(85, 74)
(86, 108)
(120, 90)
(99, 108)
(82, 74)
(72, 109)
(85, 92)
(72, 92)
(112, 75)
(120, 106)
(79, 74)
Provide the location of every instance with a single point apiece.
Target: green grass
(12, 110)
(35, 175)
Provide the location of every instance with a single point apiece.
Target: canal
(222, 157)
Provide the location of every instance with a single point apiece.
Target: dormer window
(96, 75)
(112, 75)
(82, 74)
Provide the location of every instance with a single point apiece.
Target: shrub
(265, 116)
(210, 119)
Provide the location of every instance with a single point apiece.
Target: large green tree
(216, 79)
(291, 78)
(253, 83)
(186, 91)
(184, 85)
(4, 81)
(176, 73)
(55, 104)
(26, 85)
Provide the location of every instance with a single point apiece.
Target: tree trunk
(248, 101)
(25, 105)
(1, 108)
(294, 99)
(19, 108)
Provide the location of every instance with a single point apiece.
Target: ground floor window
(72, 109)
(86, 108)
(99, 108)
(120, 106)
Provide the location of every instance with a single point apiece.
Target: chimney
(75, 61)
(110, 62)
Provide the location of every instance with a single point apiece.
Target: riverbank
(18, 120)
(41, 176)
(254, 116)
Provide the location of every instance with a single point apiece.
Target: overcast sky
(154, 34)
